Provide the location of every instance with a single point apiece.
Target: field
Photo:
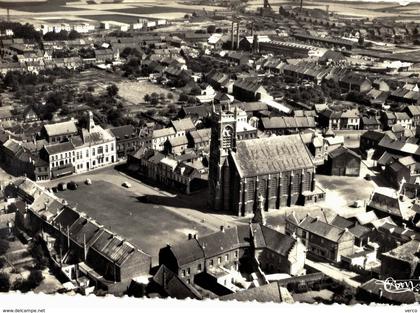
(370, 9)
(134, 92)
(148, 226)
(128, 11)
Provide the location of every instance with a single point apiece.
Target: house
(375, 291)
(370, 123)
(354, 82)
(413, 112)
(127, 139)
(322, 239)
(387, 202)
(94, 147)
(177, 145)
(403, 119)
(350, 119)
(370, 140)
(238, 58)
(401, 169)
(159, 137)
(199, 139)
(183, 126)
(249, 90)
(330, 119)
(59, 132)
(168, 171)
(343, 162)
(104, 55)
(230, 246)
(171, 285)
(332, 57)
(402, 262)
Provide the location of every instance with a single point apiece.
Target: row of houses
(79, 246)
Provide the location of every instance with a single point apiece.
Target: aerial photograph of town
(218, 150)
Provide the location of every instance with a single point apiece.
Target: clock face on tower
(227, 137)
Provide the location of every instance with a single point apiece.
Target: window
(227, 257)
(106, 148)
(199, 267)
(100, 150)
(236, 254)
(112, 147)
(87, 153)
(219, 260)
(183, 273)
(93, 151)
(188, 271)
(211, 262)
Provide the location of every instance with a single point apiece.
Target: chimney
(190, 236)
(255, 44)
(232, 37)
(222, 229)
(237, 36)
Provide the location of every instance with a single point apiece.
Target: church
(277, 170)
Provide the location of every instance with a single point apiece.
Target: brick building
(279, 167)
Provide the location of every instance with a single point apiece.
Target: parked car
(62, 186)
(126, 184)
(72, 185)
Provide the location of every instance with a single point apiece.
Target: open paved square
(146, 225)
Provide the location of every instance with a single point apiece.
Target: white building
(93, 148)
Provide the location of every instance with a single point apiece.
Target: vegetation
(24, 31)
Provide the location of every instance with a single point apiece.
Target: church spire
(259, 217)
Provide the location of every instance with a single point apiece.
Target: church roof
(271, 155)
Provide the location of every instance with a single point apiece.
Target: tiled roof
(59, 148)
(285, 122)
(376, 287)
(164, 132)
(330, 232)
(271, 155)
(62, 128)
(174, 286)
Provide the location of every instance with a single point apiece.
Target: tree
(211, 29)
(170, 96)
(147, 97)
(4, 282)
(172, 108)
(112, 90)
(74, 35)
(183, 97)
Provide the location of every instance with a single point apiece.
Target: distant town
(235, 153)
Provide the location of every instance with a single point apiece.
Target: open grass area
(148, 226)
(134, 91)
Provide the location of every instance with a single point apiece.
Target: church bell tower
(223, 140)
